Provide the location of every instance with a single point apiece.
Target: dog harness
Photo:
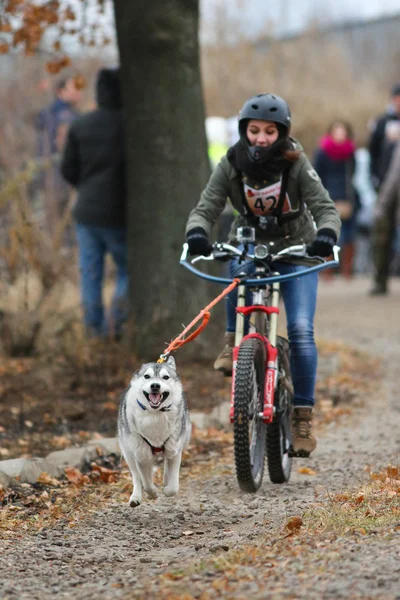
(154, 449)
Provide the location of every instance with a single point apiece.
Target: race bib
(262, 202)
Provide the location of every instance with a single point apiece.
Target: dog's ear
(135, 374)
(171, 362)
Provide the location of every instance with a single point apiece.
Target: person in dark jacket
(334, 162)
(382, 140)
(94, 162)
(384, 137)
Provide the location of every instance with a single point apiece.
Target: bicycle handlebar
(295, 251)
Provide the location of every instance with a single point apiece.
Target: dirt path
(123, 553)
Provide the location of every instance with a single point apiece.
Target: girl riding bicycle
(271, 183)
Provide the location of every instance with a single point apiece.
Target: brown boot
(224, 359)
(303, 441)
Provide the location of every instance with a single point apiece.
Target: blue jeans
(300, 300)
(94, 243)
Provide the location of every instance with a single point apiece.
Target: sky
(292, 15)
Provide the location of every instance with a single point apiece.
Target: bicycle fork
(271, 351)
(271, 372)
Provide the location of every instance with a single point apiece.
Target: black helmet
(266, 107)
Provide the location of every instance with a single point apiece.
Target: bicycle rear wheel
(278, 432)
(248, 427)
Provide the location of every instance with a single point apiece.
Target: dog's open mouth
(155, 400)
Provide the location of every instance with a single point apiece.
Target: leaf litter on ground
(211, 451)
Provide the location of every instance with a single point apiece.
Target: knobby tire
(249, 443)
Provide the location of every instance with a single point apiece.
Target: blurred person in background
(365, 216)
(387, 207)
(93, 161)
(384, 137)
(52, 124)
(217, 139)
(334, 162)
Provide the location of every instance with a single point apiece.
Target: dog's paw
(134, 501)
(170, 490)
(152, 492)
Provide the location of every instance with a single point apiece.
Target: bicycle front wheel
(248, 426)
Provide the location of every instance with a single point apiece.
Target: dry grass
(303, 543)
(371, 508)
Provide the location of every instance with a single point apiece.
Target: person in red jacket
(334, 162)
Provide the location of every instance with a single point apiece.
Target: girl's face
(339, 133)
(261, 133)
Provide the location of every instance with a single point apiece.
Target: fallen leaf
(106, 475)
(75, 476)
(61, 441)
(342, 497)
(392, 471)
(378, 476)
(294, 523)
(306, 471)
(45, 479)
(173, 576)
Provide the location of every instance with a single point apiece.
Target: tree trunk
(167, 166)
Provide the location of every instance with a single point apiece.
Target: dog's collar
(163, 409)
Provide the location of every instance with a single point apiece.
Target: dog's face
(157, 382)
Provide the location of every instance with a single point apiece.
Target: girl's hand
(323, 243)
(198, 242)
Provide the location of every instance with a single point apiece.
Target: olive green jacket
(303, 184)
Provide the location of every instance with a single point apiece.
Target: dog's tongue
(155, 398)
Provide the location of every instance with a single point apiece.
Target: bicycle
(262, 390)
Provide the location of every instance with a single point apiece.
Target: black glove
(198, 242)
(323, 243)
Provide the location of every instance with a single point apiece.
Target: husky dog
(153, 418)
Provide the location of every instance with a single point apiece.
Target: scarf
(335, 150)
(270, 164)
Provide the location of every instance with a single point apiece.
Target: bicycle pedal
(299, 454)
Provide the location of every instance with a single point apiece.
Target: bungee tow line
(204, 314)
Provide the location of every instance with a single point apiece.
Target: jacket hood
(108, 89)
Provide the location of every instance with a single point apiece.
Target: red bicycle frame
(271, 352)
